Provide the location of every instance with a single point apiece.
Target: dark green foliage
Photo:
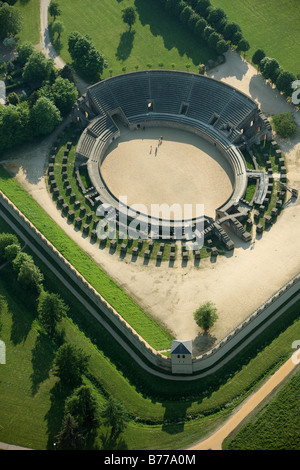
(64, 94)
(51, 309)
(87, 59)
(284, 82)
(24, 52)
(115, 415)
(83, 406)
(69, 437)
(6, 239)
(258, 56)
(54, 9)
(70, 364)
(284, 124)
(11, 20)
(270, 68)
(129, 16)
(206, 315)
(45, 116)
(37, 67)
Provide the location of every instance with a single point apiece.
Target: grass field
(275, 426)
(269, 25)
(130, 311)
(156, 38)
(31, 20)
(32, 401)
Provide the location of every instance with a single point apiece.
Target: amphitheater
(157, 101)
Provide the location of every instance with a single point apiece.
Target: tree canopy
(11, 20)
(206, 315)
(129, 16)
(70, 364)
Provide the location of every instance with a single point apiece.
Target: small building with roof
(181, 357)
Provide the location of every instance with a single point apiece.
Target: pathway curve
(215, 441)
(48, 49)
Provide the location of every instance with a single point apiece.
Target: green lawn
(275, 426)
(32, 402)
(113, 294)
(30, 10)
(269, 25)
(155, 38)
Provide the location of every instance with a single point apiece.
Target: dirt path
(48, 49)
(215, 441)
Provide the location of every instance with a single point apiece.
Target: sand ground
(182, 169)
(237, 283)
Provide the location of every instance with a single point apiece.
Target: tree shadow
(55, 414)
(202, 343)
(125, 45)
(42, 359)
(175, 416)
(173, 32)
(112, 441)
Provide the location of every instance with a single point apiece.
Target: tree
(30, 276)
(37, 67)
(70, 364)
(83, 406)
(258, 56)
(20, 259)
(270, 69)
(284, 124)
(45, 116)
(200, 26)
(67, 72)
(6, 239)
(185, 15)
(51, 309)
(206, 315)
(207, 32)
(221, 46)
(216, 16)
(69, 437)
(243, 45)
(129, 16)
(58, 27)
(54, 10)
(202, 6)
(24, 51)
(230, 30)
(284, 82)
(64, 94)
(11, 20)
(13, 98)
(115, 415)
(11, 251)
(87, 59)
(213, 40)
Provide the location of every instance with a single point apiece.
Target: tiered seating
(208, 97)
(101, 124)
(85, 144)
(236, 110)
(169, 91)
(132, 92)
(102, 97)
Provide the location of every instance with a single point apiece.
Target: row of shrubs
(209, 23)
(271, 70)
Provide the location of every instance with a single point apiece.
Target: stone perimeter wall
(207, 362)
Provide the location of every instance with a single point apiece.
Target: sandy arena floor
(183, 169)
(238, 283)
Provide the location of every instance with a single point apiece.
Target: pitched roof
(181, 347)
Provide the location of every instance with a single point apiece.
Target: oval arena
(204, 125)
